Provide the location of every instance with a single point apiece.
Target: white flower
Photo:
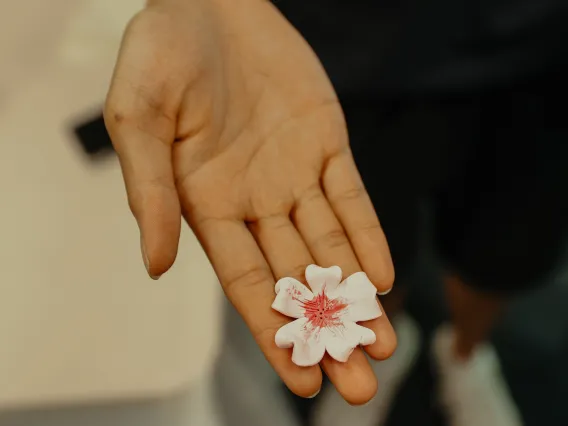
(327, 315)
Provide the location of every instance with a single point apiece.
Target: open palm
(221, 113)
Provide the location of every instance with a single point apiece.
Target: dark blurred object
(523, 133)
(530, 340)
(373, 48)
(94, 138)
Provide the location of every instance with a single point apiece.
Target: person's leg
(398, 169)
(502, 228)
(474, 313)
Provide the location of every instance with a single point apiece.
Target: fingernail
(384, 293)
(145, 258)
(314, 395)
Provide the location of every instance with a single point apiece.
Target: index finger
(248, 283)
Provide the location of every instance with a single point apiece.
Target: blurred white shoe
(332, 410)
(472, 392)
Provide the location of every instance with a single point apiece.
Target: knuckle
(117, 116)
(369, 231)
(334, 238)
(113, 117)
(309, 195)
(154, 191)
(152, 101)
(350, 194)
(136, 104)
(264, 337)
(276, 222)
(371, 227)
(298, 272)
(248, 280)
(145, 117)
(312, 193)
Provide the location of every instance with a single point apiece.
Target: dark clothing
(415, 46)
(491, 165)
(457, 104)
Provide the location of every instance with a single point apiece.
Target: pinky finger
(353, 207)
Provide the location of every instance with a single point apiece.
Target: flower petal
(308, 343)
(319, 277)
(341, 343)
(360, 296)
(290, 297)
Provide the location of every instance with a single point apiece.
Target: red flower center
(322, 311)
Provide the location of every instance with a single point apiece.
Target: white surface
(79, 319)
(190, 408)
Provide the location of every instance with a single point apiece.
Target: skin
(222, 115)
(473, 313)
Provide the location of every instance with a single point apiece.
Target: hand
(222, 114)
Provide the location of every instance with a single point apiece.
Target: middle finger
(288, 256)
(329, 245)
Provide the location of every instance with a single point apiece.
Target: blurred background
(86, 338)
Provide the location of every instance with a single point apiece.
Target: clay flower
(326, 315)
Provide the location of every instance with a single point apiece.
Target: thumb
(142, 129)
